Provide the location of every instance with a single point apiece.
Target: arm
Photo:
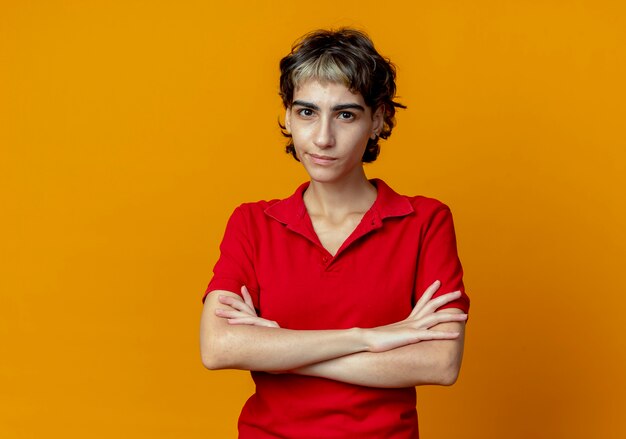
(226, 344)
(428, 362)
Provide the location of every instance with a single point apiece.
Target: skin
(330, 127)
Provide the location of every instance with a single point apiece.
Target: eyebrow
(339, 107)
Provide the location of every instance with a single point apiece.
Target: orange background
(129, 130)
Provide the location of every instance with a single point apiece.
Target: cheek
(297, 141)
(297, 144)
(359, 139)
(298, 136)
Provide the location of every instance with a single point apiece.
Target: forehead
(326, 92)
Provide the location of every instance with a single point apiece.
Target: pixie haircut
(345, 56)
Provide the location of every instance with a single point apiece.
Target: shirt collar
(388, 204)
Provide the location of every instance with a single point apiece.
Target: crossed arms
(424, 348)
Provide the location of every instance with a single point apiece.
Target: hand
(416, 327)
(242, 312)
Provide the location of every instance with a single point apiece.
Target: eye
(306, 112)
(346, 115)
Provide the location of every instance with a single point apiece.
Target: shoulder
(251, 211)
(283, 211)
(421, 207)
(247, 220)
(427, 206)
(255, 207)
(264, 210)
(430, 214)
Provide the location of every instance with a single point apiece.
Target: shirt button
(325, 259)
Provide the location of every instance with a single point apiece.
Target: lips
(321, 159)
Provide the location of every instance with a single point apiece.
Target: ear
(378, 121)
(288, 120)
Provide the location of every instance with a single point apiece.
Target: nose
(324, 136)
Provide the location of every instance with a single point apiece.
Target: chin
(327, 175)
(322, 177)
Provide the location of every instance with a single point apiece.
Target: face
(330, 127)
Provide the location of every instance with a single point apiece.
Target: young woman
(345, 296)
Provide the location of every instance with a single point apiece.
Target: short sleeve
(235, 266)
(438, 259)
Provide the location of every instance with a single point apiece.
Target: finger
(237, 303)
(233, 302)
(227, 299)
(246, 297)
(439, 335)
(230, 313)
(253, 321)
(440, 317)
(436, 303)
(428, 294)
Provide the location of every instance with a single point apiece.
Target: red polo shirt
(401, 246)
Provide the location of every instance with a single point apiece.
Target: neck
(341, 197)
